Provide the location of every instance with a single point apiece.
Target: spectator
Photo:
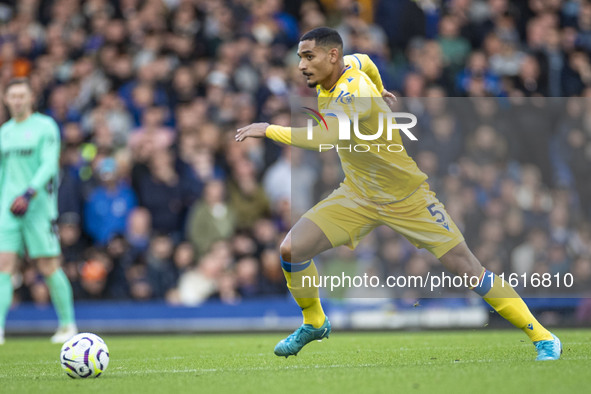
(139, 229)
(243, 244)
(122, 259)
(528, 79)
(227, 291)
(582, 276)
(272, 279)
(183, 258)
(71, 241)
(525, 256)
(477, 70)
(108, 205)
(507, 61)
(70, 198)
(161, 271)
(200, 283)
(486, 146)
(579, 162)
(246, 196)
(111, 112)
(211, 219)
(577, 73)
(139, 284)
(93, 277)
(247, 277)
(454, 47)
(60, 106)
(145, 141)
(277, 180)
(444, 140)
(159, 190)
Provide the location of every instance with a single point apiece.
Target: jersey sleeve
(321, 134)
(363, 63)
(48, 155)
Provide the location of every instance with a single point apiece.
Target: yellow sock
(505, 300)
(301, 278)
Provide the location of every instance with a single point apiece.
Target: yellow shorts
(345, 218)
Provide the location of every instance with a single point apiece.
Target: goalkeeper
(29, 160)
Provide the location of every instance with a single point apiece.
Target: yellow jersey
(376, 167)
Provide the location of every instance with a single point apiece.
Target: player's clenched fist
(255, 130)
(20, 205)
(389, 98)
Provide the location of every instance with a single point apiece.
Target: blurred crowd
(157, 201)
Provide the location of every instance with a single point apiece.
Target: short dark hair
(18, 81)
(324, 36)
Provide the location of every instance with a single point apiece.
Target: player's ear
(334, 55)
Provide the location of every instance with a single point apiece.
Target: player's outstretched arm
(295, 136)
(254, 130)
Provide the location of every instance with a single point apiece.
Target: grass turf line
(479, 361)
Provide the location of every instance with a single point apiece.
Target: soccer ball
(84, 356)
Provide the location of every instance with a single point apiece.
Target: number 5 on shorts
(436, 213)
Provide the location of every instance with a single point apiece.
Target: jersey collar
(320, 88)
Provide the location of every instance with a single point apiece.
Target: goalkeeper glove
(21, 203)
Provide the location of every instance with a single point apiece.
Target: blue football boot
(550, 349)
(291, 345)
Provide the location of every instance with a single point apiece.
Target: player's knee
(7, 262)
(285, 250)
(47, 266)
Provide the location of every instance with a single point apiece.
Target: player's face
(19, 100)
(315, 62)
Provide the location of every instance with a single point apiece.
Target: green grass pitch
(476, 362)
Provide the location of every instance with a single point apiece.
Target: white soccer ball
(84, 356)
